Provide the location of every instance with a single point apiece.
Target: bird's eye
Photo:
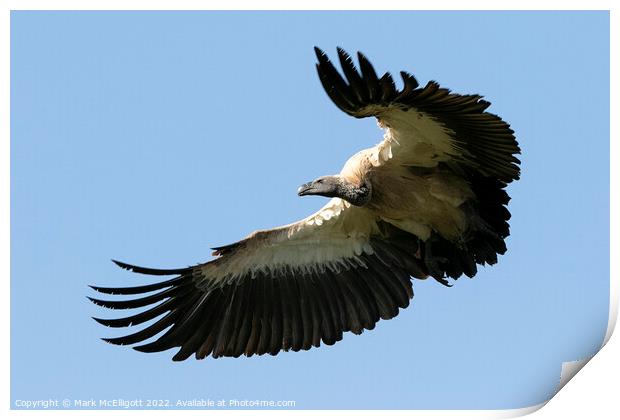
(319, 181)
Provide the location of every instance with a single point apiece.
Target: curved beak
(305, 189)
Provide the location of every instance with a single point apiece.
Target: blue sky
(150, 136)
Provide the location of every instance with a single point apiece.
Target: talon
(433, 264)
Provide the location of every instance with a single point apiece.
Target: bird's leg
(433, 263)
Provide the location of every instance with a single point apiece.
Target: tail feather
(485, 240)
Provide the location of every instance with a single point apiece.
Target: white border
(308, 5)
(594, 393)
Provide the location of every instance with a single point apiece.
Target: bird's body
(428, 200)
(420, 202)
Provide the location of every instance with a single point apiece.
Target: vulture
(428, 201)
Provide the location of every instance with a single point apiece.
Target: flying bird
(428, 201)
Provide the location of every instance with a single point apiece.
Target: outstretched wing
(287, 288)
(430, 129)
(425, 126)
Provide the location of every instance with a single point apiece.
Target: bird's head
(336, 186)
(327, 186)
